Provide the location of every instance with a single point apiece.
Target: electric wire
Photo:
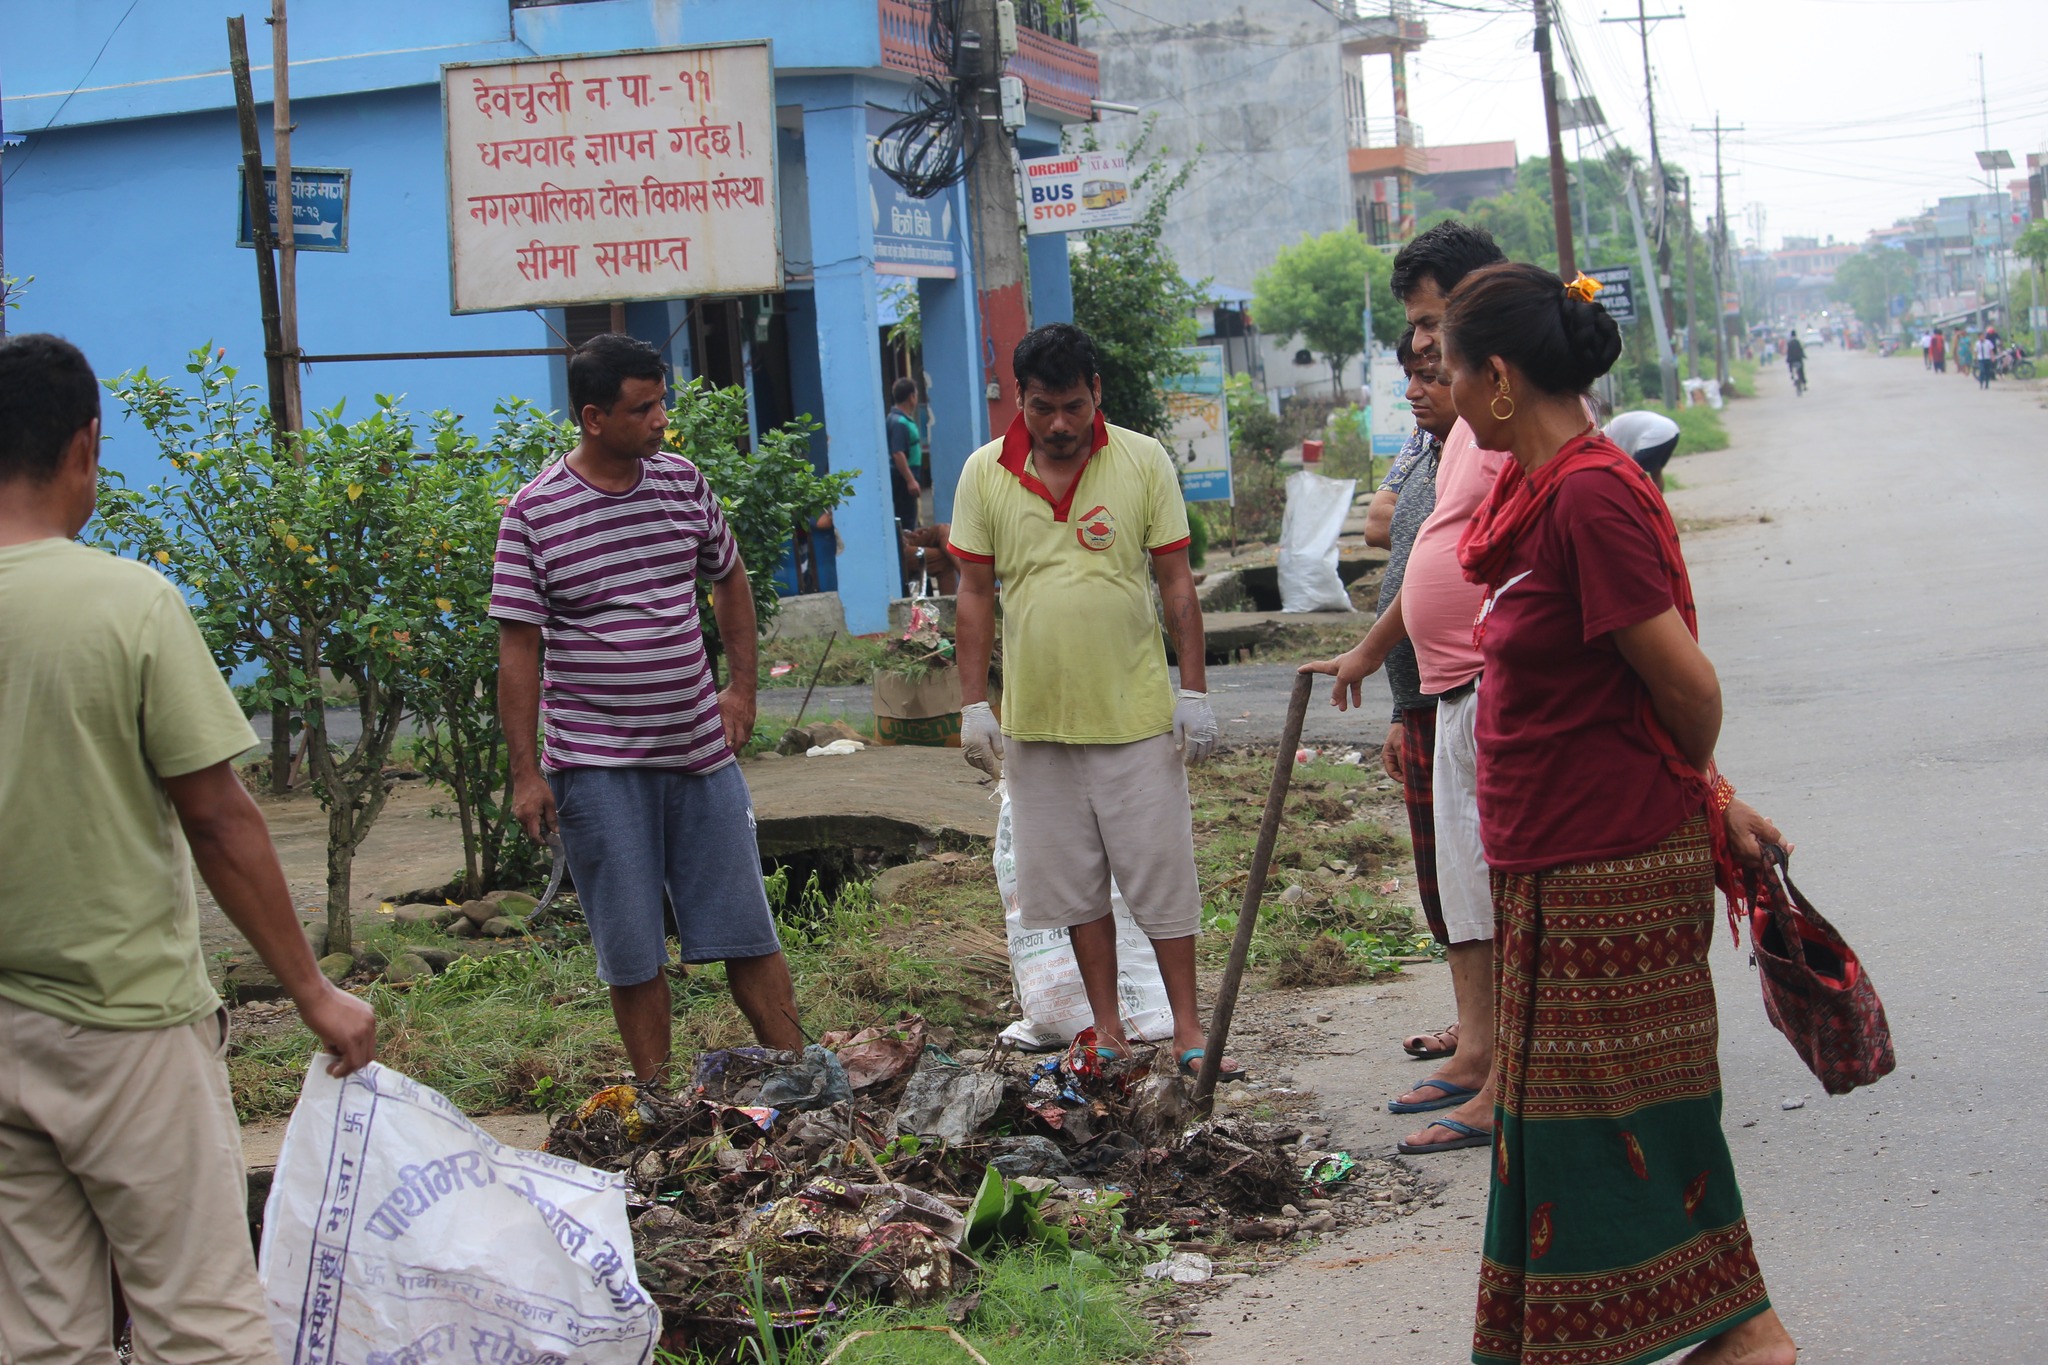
(936, 144)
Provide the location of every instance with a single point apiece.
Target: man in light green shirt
(118, 1137)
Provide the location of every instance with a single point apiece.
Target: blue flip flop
(1193, 1055)
(1452, 1093)
(1468, 1136)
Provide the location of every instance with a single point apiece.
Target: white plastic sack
(1316, 508)
(400, 1233)
(1048, 980)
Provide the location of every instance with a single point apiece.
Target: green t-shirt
(105, 688)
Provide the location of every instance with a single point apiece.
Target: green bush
(1198, 536)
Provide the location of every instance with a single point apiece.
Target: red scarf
(1517, 502)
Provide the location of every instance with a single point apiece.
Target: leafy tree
(766, 492)
(1130, 296)
(2032, 245)
(1316, 290)
(1870, 281)
(326, 558)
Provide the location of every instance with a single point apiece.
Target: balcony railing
(1057, 75)
(1387, 132)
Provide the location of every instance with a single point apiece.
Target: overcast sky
(1857, 112)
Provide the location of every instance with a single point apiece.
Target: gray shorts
(634, 835)
(1081, 813)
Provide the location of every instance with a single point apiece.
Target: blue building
(121, 179)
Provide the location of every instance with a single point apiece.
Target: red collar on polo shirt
(1017, 448)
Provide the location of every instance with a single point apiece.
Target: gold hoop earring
(1494, 408)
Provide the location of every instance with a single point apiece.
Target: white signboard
(1076, 192)
(1200, 438)
(636, 175)
(1393, 416)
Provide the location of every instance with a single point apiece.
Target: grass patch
(530, 1025)
(1700, 430)
(854, 659)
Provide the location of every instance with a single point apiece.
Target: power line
(74, 89)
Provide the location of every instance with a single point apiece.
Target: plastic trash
(948, 1101)
(399, 1230)
(1316, 508)
(1182, 1267)
(817, 1081)
(837, 748)
(1048, 980)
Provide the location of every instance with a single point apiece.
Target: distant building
(1458, 174)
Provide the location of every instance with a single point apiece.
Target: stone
(811, 615)
(407, 967)
(795, 740)
(892, 885)
(481, 909)
(1223, 591)
(1324, 1221)
(370, 960)
(440, 959)
(826, 731)
(515, 903)
(247, 981)
(336, 966)
(501, 927)
(420, 912)
(462, 927)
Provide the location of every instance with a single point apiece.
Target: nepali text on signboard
(912, 236)
(1078, 191)
(636, 175)
(1199, 439)
(319, 207)
(1617, 291)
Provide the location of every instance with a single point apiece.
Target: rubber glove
(981, 738)
(1194, 725)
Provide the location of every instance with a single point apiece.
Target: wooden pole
(1560, 181)
(273, 342)
(293, 418)
(1254, 888)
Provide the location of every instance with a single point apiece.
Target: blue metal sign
(912, 236)
(319, 207)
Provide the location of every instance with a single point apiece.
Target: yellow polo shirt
(1083, 659)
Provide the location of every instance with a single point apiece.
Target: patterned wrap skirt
(1614, 1227)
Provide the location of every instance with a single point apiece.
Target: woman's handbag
(1815, 989)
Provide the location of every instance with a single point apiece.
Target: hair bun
(1592, 334)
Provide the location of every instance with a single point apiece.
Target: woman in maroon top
(1615, 1229)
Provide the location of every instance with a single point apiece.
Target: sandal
(1189, 1067)
(1430, 1047)
(1468, 1136)
(1448, 1094)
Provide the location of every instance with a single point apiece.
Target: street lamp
(1992, 162)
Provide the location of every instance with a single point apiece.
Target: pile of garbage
(875, 1166)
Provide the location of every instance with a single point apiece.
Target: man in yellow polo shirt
(118, 1139)
(1076, 518)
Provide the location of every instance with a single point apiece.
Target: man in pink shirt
(1435, 610)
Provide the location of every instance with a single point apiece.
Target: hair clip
(1583, 288)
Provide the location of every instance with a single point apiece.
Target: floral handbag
(1815, 989)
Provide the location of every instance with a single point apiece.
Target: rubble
(793, 1188)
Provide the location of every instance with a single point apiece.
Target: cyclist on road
(1795, 360)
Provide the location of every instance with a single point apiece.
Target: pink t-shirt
(1437, 604)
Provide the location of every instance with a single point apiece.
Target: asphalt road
(1883, 650)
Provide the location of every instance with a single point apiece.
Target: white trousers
(1462, 880)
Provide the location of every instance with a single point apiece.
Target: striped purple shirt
(611, 579)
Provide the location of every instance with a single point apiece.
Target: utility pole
(1721, 263)
(1991, 188)
(1560, 182)
(1692, 297)
(1641, 23)
(293, 417)
(1667, 363)
(1000, 272)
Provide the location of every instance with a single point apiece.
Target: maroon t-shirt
(1568, 771)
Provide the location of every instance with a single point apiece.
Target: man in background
(119, 1144)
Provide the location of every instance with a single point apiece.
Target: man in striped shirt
(600, 649)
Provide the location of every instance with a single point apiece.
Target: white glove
(1194, 725)
(981, 738)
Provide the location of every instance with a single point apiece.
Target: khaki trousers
(121, 1146)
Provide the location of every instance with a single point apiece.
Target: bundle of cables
(935, 144)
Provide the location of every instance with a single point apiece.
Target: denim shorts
(643, 841)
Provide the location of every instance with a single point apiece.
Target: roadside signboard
(319, 207)
(1617, 291)
(1078, 191)
(912, 236)
(1200, 437)
(634, 175)
(1393, 416)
